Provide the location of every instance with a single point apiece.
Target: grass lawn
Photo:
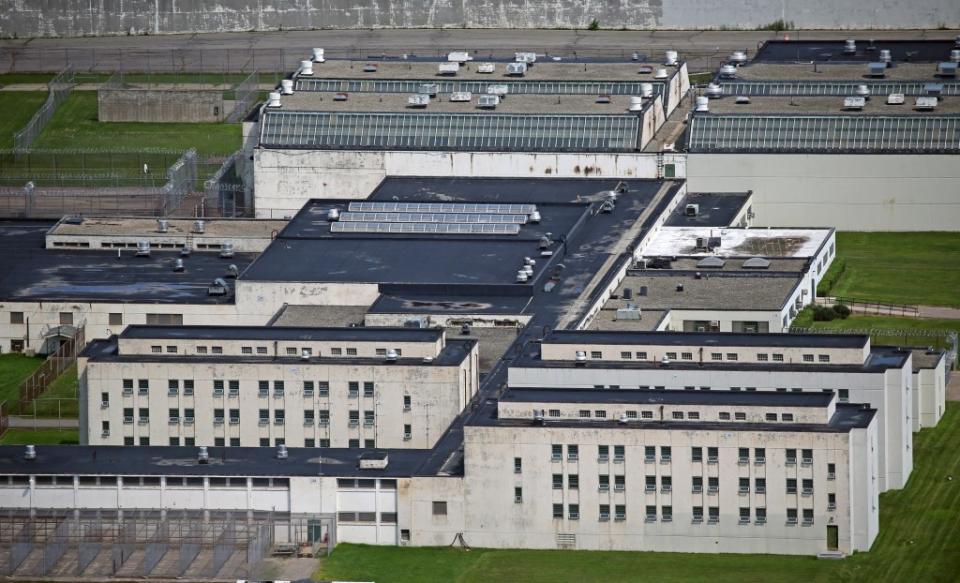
(17, 107)
(14, 369)
(919, 541)
(902, 268)
(75, 126)
(899, 328)
(19, 436)
(61, 398)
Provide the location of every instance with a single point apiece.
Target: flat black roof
(929, 51)
(441, 304)
(224, 461)
(500, 190)
(706, 339)
(29, 272)
(716, 209)
(357, 334)
(667, 397)
(454, 352)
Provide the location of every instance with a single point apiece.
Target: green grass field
(14, 369)
(75, 127)
(19, 436)
(902, 268)
(919, 541)
(893, 330)
(17, 107)
(60, 399)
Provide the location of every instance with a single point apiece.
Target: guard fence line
(59, 89)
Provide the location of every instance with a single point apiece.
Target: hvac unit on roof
(486, 68)
(226, 251)
(876, 69)
(854, 103)
(273, 99)
(885, 56)
(947, 69)
(448, 68)
(488, 101)
(636, 103)
(459, 57)
(306, 68)
(460, 96)
(286, 86)
(178, 266)
(925, 103)
(738, 57)
(714, 91)
(895, 99)
(646, 90)
(428, 89)
(661, 74)
(862, 91)
(163, 225)
(703, 104)
(516, 69)
(850, 46)
(318, 56)
(143, 249)
(525, 57)
(728, 71)
(691, 210)
(955, 56)
(419, 100)
(218, 287)
(500, 90)
(671, 57)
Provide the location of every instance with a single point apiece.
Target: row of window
(310, 417)
(264, 442)
(666, 454)
(666, 484)
(148, 481)
(843, 395)
(367, 517)
(113, 319)
(310, 388)
(714, 356)
(676, 415)
(262, 350)
(666, 514)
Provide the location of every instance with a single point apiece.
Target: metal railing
(871, 307)
(57, 362)
(59, 89)
(245, 95)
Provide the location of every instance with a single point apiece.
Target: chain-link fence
(86, 168)
(181, 181)
(59, 89)
(245, 94)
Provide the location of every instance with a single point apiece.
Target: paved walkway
(939, 312)
(31, 423)
(953, 387)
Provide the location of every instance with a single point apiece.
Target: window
(558, 510)
(308, 442)
(791, 516)
(762, 357)
(128, 414)
(807, 516)
(201, 349)
(665, 454)
(16, 317)
(731, 356)
(127, 386)
(573, 453)
(171, 349)
(761, 516)
(336, 352)
(650, 454)
(716, 356)
(739, 416)
(353, 443)
(666, 513)
(234, 416)
(407, 432)
(831, 471)
(407, 404)
(217, 349)
(807, 358)
(697, 484)
(686, 356)
(603, 453)
(264, 416)
(127, 441)
(777, 357)
(584, 413)
(620, 512)
(791, 485)
(173, 387)
(744, 486)
(713, 455)
(743, 455)
(760, 485)
(66, 318)
(596, 354)
(354, 418)
(713, 485)
(291, 351)
(697, 514)
(689, 388)
(573, 481)
(651, 513)
(174, 415)
(156, 349)
(278, 388)
(188, 387)
(556, 452)
(807, 486)
(144, 415)
(517, 465)
(626, 355)
(646, 414)
(368, 418)
(693, 415)
(619, 454)
(517, 495)
(724, 416)
(641, 356)
(600, 414)
(843, 395)
(678, 415)
(650, 484)
(831, 501)
(164, 319)
(246, 350)
(367, 389)
(574, 511)
(144, 441)
(714, 514)
(787, 417)
(323, 389)
(439, 508)
(823, 358)
(744, 515)
(619, 483)
(263, 388)
(261, 349)
(558, 481)
(806, 457)
(554, 413)
(771, 416)
(308, 417)
(324, 442)
(353, 352)
(791, 457)
(666, 483)
(353, 389)
(307, 388)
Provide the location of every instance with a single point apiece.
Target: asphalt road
(281, 51)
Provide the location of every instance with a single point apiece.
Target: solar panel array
(477, 86)
(786, 133)
(831, 88)
(443, 207)
(432, 218)
(426, 228)
(445, 131)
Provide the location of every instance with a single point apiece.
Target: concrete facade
(160, 105)
(78, 18)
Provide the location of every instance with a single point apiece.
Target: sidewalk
(21, 422)
(939, 312)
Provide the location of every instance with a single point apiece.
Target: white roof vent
(233, 271)
(876, 69)
(420, 100)
(448, 68)
(488, 101)
(896, 99)
(143, 249)
(522, 276)
(392, 355)
(703, 104)
(305, 354)
(691, 210)
(661, 74)
(273, 99)
(461, 96)
(333, 214)
(538, 415)
(728, 70)
(226, 251)
(203, 456)
(623, 420)
(30, 452)
(499, 90)
(535, 217)
(306, 68)
(459, 57)
(517, 69)
(282, 452)
(671, 57)
(714, 90)
(862, 91)
(646, 90)
(525, 57)
(955, 55)
(178, 266)
(925, 103)
(738, 57)
(286, 86)
(636, 103)
(198, 226)
(486, 68)
(854, 103)
(163, 225)
(850, 46)
(581, 356)
(885, 56)
(318, 56)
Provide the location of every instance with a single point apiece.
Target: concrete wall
(848, 191)
(153, 105)
(25, 18)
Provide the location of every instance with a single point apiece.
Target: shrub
(823, 314)
(833, 276)
(594, 25)
(842, 311)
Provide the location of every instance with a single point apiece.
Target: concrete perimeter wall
(154, 105)
(46, 18)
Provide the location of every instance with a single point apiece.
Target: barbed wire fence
(245, 95)
(181, 180)
(59, 89)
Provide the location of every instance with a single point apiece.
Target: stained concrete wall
(29, 18)
(151, 105)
